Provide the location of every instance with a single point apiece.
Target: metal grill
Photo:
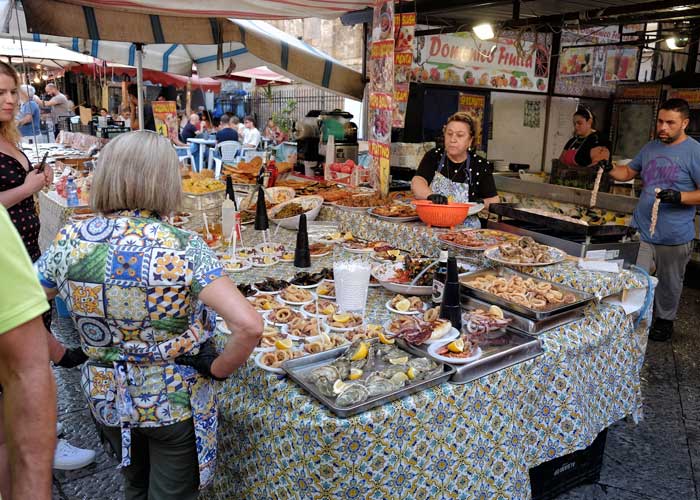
(307, 98)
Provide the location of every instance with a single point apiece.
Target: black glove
(669, 196)
(201, 362)
(605, 165)
(438, 199)
(72, 358)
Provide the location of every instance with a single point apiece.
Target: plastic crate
(551, 479)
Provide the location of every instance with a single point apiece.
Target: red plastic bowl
(450, 215)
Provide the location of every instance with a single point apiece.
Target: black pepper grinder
(261, 221)
(302, 255)
(451, 308)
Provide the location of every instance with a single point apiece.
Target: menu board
(404, 36)
(381, 92)
(165, 115)
(475, 106)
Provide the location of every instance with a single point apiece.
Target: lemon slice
(355, 373)
(401, 360)
(399, 378)
(341, 318)
(456, 346)
(339, 386)
(393, 253)
(348, 236)
(288, 256)
(496, 312)
(335, 236)
(402, 305)
(328, 310)
(283, 344)
(361, 352)
(325, 339)
(411, 373)
(375, 328)
(384, 340)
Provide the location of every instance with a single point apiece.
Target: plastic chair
(227, 151)
(184, 154)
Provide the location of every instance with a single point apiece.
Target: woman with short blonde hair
(137, 170)
(140, 291)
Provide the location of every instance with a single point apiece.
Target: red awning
(152, 76)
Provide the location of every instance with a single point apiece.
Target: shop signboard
(508, 62)
(621, 64)
(692, 96)
(381, 92)
(165, 115)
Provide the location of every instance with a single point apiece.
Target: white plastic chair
(227, 150)
(185, 155)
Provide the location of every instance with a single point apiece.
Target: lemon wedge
(361, 352)
(339, 386)
(266, 306)
(355, 373)
(283, 344)
(456, 346)
(341, 318)
(325, 339)
(402, 305)
(335, 236)
(496, 312)
(348, 236)
(411, 373)
(384, 340)
(328, 310)
(399, 378)
(401, 360)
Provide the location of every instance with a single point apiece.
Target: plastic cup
(351, 284)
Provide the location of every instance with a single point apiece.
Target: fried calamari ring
(431, 314)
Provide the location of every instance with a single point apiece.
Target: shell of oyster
(352, 395)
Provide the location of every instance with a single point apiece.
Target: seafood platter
(525, 251)
(574, 235)
(412, 276)
(475, 239)
(354, 378)
(530, 297)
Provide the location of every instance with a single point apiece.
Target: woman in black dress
(18, 181)
(587, 147)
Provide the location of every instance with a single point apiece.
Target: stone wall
(343, 43)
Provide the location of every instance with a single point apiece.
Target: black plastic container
(551, 479)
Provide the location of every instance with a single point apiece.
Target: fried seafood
(282, 315)
(523, 291)
(296, 295)
(305, 327)
(525, 250)
(406, 304)
(275, 359)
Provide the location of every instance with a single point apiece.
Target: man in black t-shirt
(226, 132)
(149, 122)
(189, 131)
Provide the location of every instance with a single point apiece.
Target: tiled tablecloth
(452, 441)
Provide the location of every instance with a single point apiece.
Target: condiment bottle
(439, 278)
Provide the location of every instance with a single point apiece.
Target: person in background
(58, 103)
(104, 113)
(191, 129)
(240, 128)
(456, 172)
(227, 130)
(587, 147)
(148, 118)
(125, 116)
(19, 181)
(671, 165)
(272, 132)
(28, 392)
(161, 357)
(29, 116)
(251, 135)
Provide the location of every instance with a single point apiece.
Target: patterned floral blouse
(131, 284)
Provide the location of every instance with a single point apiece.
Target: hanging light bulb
(45, 77)
(37, 79)
(484, 31)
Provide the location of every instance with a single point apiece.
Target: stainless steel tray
(523, 324)
(582, 298)
(520, 348)
(297, 369)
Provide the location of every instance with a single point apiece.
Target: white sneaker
(68, 457)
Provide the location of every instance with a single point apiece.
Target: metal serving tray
(519, 348)
(512, 210)
(297, 369)
(582, 298)
(521, 323)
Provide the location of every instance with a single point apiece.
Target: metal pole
(139, 81)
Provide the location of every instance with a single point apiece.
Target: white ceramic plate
(276, 249)
(257, 261)
(324, 329)
(270, 369)
(494, 254)
(407, 313)
(266, 316)
(245, 266)
(432, 350)
(358, 250)
(449, 336)
(289, 303)
(337, 329)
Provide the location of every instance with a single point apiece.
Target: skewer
(654, 212)
(206, 226)
(232, 243)
(596, 187)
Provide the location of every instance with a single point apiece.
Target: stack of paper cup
(351, 284)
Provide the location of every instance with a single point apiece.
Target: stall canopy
(158, 77)
(261, 75)
(45, 54)
(172, 44)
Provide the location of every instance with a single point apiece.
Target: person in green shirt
(28, 398)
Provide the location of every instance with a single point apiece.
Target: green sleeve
(21, 296)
